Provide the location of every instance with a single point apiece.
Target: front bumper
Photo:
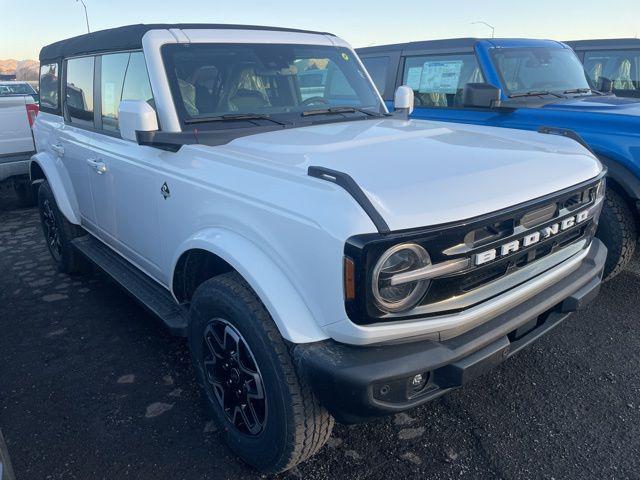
(358, 383)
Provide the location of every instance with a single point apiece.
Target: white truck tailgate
(15, 132)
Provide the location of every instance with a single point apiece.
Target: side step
(149, 293)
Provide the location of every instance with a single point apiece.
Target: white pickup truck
(324, 257)
(17, 115)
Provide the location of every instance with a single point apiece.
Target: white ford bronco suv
(325, 258)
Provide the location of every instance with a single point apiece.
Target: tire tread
(312, 423)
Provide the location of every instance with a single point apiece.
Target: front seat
(623, 80)
(244, 100)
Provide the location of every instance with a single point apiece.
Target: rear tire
(58, 233)
(618, 231)
(27, 194)
(294, 425)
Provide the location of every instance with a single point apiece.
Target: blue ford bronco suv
(531, 85)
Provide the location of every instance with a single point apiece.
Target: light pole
(86, 16)
(493, 30)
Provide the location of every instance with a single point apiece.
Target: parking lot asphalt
(92, 387)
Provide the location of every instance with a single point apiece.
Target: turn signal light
(349, 270)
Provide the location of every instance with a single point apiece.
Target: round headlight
(399, 259)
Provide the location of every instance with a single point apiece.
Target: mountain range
(23, 69)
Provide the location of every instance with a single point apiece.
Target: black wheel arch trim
(623, 177)
(345, 181)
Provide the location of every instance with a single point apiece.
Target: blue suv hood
(593, 104)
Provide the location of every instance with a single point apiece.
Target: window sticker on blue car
(440, 77)
(413, 77)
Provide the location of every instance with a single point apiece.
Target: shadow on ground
(92, 387)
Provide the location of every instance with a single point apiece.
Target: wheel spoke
(234, 377)
(249, 418)
(214, 347)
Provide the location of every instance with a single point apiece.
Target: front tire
(233, 341)
(58, 232)
(618, 231)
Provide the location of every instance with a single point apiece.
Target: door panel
(74, 147)
(126, 196)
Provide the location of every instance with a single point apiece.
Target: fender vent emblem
(164, 190)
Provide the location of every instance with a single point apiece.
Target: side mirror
(134, 115)
(481, 95)
(403, 100)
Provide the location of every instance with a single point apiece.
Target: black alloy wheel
(234, 377)
(51, 230)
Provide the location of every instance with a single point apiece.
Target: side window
(438, 80)
(79, 90)
(111, 81)
(377, 68)
(123, 77)
(136, 81)
(49, 87)
(620, 67)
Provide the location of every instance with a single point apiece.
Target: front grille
(534, 218)
(467, 240)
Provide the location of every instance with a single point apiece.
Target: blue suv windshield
(540, 69)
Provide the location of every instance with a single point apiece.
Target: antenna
(86, 16)
(493, 29)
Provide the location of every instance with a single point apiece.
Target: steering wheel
(312, 100)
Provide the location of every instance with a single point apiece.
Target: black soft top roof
(608, 43)
(130, 37)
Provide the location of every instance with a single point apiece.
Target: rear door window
(49, 87)
(619, 68)
(79, 91)
(438, 80)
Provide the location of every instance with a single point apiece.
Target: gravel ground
(92, 387)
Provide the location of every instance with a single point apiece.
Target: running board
(149, 293)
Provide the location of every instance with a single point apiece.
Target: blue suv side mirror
(480, 95)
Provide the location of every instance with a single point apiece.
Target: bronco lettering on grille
(530, 239)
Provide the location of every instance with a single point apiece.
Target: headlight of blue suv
(392, 286)
(600, 191)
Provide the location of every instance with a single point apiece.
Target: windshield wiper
(536, 94)
(336, 110)
(233, 117)
(578, 90)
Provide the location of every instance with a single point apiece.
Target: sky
(26, 26)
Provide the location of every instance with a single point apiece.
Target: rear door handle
(97, 165)
(58, 148)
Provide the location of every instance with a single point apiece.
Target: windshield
(540, 69)
(278, 81)
(16, 89)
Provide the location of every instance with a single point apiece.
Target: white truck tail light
(32, 112)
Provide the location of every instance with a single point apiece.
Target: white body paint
(252, 203)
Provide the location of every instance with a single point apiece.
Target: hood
(419, 173)
(596, 104)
